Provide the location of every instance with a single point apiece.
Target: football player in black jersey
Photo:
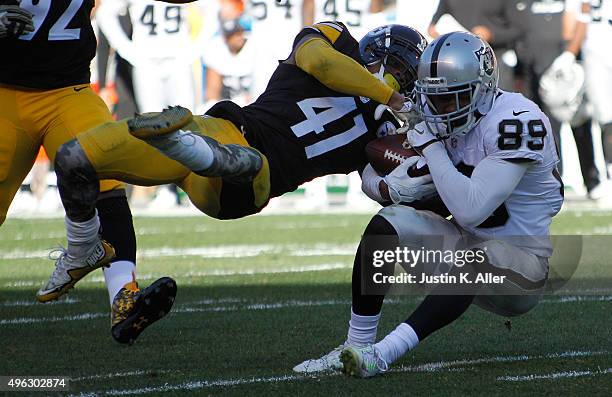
(315, 118)
(46, 99)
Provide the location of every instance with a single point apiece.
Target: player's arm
(471, 200)
(107, 17)
(317, 57)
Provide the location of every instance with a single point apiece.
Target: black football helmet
(399, 49)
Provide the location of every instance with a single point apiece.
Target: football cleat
(154, 125)
(362, 362)
(329, 362)
(134, 310)
(69, 270)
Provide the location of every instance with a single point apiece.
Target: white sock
(117, 275)
(362, 329)
(397, 343)
(191, 150)
(81, 235)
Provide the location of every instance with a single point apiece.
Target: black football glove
(14, 20)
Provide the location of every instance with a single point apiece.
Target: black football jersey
(59, 51)
(304, 128)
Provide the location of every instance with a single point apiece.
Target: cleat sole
(151, 125)
(149, 308)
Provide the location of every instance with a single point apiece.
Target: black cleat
(134, 310)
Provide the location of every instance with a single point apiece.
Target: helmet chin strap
(387, 78)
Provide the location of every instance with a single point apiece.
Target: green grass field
(259, 295)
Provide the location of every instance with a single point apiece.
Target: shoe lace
(380, 363)
(58, 254)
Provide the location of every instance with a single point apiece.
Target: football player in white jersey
(355, 14)
(274, 25)
(597, 15)
(493, 162)
(160, 49)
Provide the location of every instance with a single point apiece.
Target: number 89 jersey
(516, 129)
(59, 50)
(304, 128)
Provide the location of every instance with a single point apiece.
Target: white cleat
(327, 363)
(69, 270)
(362, 362)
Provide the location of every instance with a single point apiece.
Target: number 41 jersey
(57, 53)
(515, 129)
(304, 128)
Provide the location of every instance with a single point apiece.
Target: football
(386, 153)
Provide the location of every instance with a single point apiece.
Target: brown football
(386, 153)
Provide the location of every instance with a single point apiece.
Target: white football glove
(563, 61)
(407, 115)
(405, 189)
(420, 137)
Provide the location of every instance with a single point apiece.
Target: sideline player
(232, 160)
(493, 161)
(46, 99)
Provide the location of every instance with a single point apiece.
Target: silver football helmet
(457, 83)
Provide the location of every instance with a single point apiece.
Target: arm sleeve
(339, 72)
(472, 200)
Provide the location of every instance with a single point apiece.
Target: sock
(187, 148)
(81, 235)
(117, 276)
(362, 329)
(401, 340)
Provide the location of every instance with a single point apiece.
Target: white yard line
(225, 251)
(238, 304)
(66, 301)
(32, 320)
(426, 367)
(554, 375)
(119, 375)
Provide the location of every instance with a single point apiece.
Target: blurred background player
(486, 18)
(229, 63)
(46, 99)
(547, 50)
(597, 16)
(360, 16)
(275, 23)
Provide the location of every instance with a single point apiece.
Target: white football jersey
(158, 25)
(274, 26)
(516, 128)
(353, 13)
(599, 30)
(235, 69)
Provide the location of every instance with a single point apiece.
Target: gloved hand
(15, 21)
(420, 137)
(407, 115)
(405, 189)
(563, 61)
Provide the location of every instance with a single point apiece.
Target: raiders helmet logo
(487, 59)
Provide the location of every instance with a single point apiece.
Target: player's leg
(394, 226)
(521, 289)
(230, 179)
(18, 149)
(84, 202)
(204, 153)
(414, 230)
(598, 80)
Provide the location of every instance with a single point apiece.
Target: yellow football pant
(31, 118)
(114, 153)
